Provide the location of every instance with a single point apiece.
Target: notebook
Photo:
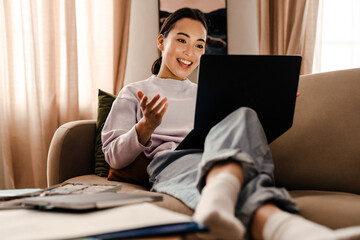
(265, 83)
(88, 201)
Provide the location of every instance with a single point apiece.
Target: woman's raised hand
(152, 115)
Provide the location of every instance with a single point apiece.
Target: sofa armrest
(71, 151)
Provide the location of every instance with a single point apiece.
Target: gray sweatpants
(238, 137)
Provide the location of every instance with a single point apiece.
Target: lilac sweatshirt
(119, 137)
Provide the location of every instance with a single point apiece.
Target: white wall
(242, 27)
(142, 52)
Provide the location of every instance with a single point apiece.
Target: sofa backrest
(322, 149)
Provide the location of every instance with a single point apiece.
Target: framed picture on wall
(216, 17)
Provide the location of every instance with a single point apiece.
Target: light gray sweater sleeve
(119, 136)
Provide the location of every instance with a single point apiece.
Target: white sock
(282, 225)
(217, 206)
(348, 233)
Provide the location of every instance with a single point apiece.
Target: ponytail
(156, 66)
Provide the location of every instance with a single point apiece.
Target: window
(338, 36)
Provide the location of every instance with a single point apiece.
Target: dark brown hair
(169, 24)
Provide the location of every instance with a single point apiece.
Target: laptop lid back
(266, 83)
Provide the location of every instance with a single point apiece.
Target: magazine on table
(13, 198)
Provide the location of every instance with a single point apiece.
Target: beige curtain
(54, 55)
(121, 38)
(288, 27)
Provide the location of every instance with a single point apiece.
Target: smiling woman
(181, 48)
(215, 15)
(185, 44)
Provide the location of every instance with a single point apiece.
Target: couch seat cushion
(332, 209)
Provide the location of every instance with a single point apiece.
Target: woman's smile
(184, 63)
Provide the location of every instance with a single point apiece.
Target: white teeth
(184, 61)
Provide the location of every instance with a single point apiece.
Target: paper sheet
(34, 224)
(16, 192)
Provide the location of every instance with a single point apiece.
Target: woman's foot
(283, 225)
(217, 206)
(348, 233)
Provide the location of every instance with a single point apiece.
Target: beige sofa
(317, 160)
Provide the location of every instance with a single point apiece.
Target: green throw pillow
(105, 101)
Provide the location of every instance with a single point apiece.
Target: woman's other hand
(153, 111)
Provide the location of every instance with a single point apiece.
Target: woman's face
(181, 49)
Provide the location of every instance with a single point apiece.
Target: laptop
(88, 201)
(265, 83)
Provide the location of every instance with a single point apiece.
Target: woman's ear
(160, 42)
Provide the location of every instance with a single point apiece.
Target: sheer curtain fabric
(54, 55)
(288, 27)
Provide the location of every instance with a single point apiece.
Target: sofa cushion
(136, 172)
(332, 209)
(105, 101)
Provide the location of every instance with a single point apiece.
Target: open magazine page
(13, 198)
(52, 225)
